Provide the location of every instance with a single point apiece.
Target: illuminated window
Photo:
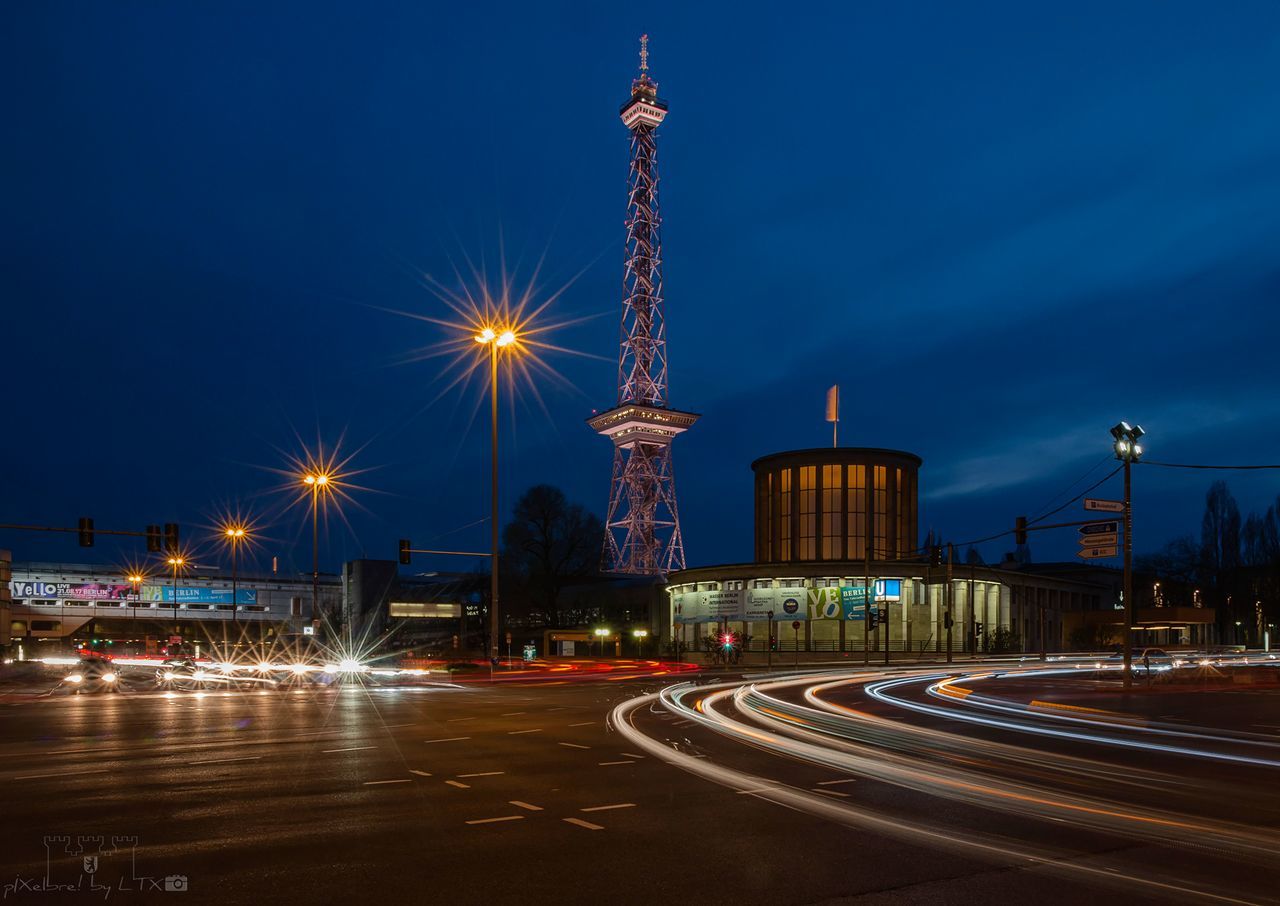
(832, 485)
(784, 514)
(879, 546)
(900, 520)
(808, 512)
(856, 547)
(764, 518)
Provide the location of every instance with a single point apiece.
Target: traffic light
(86, 531)
(404, 551)
(727, 640)
(1020, 530)
(935, 555)
(153, 539)
(977, 629)
(171, 542)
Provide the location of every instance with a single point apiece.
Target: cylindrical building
(824, 504)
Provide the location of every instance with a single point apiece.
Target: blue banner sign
(197, 595)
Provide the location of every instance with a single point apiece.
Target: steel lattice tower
(642, 529)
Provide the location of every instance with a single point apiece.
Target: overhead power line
(1185, 465)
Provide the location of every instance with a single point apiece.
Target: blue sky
(1001, 228)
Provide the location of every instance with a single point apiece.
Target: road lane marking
(514, 713)
(834, 782)
(492, 820)
(419, 773)
(587, 824)
(461, 786)
(763, 789)
(518, 732)
(573, 745)
(585, 723)
(529, 806)
(607, 763)
(561, 708)
(59, 774)
(631, 755)
(450, 739)
(351, 749)
(454, 720)
(380, 782)
(831, 793)
(221, 760)
(605, 808)
(483, 774)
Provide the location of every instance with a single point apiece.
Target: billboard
(164, 594)
(706, 606)
(73, 591)
(792, 603)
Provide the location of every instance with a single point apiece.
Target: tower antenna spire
(642, 527)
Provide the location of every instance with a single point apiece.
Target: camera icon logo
(175, 882)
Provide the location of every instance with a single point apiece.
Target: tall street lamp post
(316, 481)
(496, 340)
(1128, 451)
(235, 534)
(177, 562)
(135, 580)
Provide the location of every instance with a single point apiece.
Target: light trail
(940, 763)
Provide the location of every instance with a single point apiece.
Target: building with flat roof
(836, 526)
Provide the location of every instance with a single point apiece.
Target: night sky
(999, 228)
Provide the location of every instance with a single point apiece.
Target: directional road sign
(1100, 528)
(1099, 540)
(1104, 506)
(1093, 553)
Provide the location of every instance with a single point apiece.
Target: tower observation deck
(642, 529)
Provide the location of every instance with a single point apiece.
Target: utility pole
(868, 594)
(1128, 451)
(973, 616)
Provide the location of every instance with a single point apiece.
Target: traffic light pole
(950, 597)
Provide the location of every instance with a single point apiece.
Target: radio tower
(642, 530)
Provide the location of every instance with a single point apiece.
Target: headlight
(199, 674)
(75, 678)
(108, 677)
(168, 676)
(264, 667)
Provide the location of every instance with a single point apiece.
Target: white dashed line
(605, 808)
(420, 773)
(587, 824)
(631, 755)
(607, 763)
(573, 745)
(483, 774)
(381, 782)
(351, 749)
(518, 732)
(73, 773)
(450, 739)
(454, 720)
(834, 782)
(514, 713)
(217, 760)
(492, 820)
(530, 807)
(585, 723)
(461, 786)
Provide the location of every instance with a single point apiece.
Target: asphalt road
(466, 796)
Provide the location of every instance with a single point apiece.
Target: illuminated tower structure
(642, 529)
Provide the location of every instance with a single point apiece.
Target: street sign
(1093, 553)
(1108, 540)
(1100, 528)
(795, 625)
(1104, 506)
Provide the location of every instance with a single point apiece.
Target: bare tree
(1220, 532)
(548, 544)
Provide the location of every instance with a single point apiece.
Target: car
(93, 675)
(180, 673)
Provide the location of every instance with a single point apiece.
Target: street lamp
(496, 339)
(235, 534)
(177, 561)
(135, 580)
(317, 481)
(1125, 439)
(601, 634)
(640, 635)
